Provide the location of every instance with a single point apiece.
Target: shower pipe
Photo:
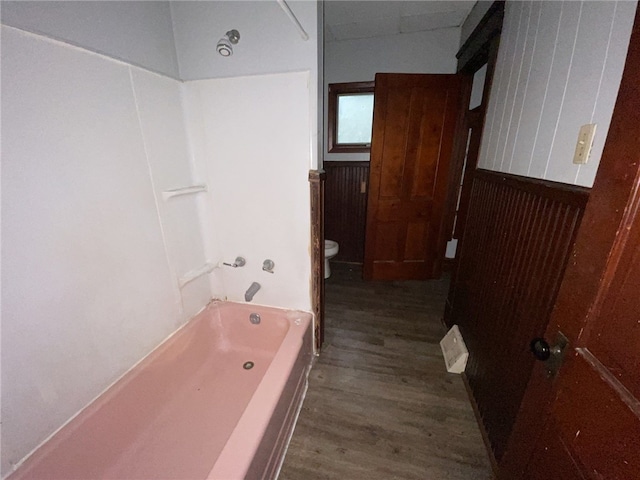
(293, 18)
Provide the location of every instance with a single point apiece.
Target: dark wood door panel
(598, 430)
(413, 130)
(620, 353)
(428, 145)
(417, 240)
(557, 455)
(417, 210)
(389, 241)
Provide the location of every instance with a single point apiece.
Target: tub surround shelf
(178, 192)
(197, 273)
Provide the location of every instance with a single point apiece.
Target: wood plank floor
(381, 404)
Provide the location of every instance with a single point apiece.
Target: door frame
(599, 241)
(481, 47)
(316, 206)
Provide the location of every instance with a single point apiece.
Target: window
(350, 117)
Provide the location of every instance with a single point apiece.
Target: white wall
(559, 67)
(250, 138)
(359, 60)
(90, 254)
(269, 43)
(319, 90)
(254, 131)
(139, 32)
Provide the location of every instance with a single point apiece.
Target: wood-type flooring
(380, 403)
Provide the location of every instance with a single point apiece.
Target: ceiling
(345, 20)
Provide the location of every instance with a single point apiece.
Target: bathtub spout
(253, 289)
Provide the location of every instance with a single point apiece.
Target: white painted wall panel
(556, 88)
(513, 82)
(197, 142)
(610, 81)
(505, 64)
(531, 16)
(589, 54)
(536, 87)
(138, 32)
(552, 76)
(87, 289)
(254, 149)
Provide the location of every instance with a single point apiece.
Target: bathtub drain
(248, 365)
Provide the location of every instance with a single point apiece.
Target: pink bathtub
(194, 408)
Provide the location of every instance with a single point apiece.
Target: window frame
(336, 89)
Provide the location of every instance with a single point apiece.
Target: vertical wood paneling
(346, 207)
(559, 67)
(515, 248)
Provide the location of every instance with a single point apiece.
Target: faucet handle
(268, 265)
(240, 262)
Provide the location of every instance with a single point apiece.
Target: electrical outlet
(585, 141)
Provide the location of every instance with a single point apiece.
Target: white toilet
(330, 251)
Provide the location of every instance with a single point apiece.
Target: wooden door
(585, 423)
(414, 121)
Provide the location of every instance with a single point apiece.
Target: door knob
(540, 349)
(552, 355)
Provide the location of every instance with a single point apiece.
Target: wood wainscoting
(346, 207)
(515, 248)
(316, 181)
